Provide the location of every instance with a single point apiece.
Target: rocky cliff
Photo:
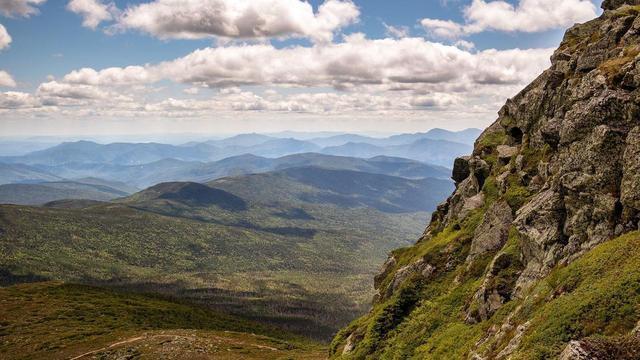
(537, 252)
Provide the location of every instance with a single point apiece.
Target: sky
(99, 67)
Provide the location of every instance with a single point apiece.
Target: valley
(280, 241)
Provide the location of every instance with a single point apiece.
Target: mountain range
(436, 142)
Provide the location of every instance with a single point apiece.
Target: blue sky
(51, 42)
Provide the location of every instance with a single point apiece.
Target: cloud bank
(528, 16)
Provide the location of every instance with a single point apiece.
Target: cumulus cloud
(526, 16)
(93, 12)
(244, 19)
(356, 62)
(17, 100)
(23, 8)
(379, 77)
(5, 38)
(6, 80)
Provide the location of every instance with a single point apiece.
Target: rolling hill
(93, 322)
(41, 193)
(288, 248)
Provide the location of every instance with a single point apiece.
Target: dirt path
(134, 339)
(175, 337)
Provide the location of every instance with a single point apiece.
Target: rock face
(557, 174)
(614, 4)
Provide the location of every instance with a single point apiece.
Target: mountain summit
(536, 253)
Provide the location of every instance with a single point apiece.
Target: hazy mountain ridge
(41, 193)
(88, 152)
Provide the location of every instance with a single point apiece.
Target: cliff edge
(537, 252)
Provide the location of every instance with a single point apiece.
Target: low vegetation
(55, 320)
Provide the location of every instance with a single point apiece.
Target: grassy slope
(54, 320)
(597, 294)
(264, 273)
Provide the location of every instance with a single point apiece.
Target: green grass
(595, 297)
(55, 320)
(599, 294)
(256, 269)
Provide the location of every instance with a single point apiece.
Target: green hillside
(270, 247)
(56, 321)
(37, 194)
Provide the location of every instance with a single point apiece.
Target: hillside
(41, 193)
(289, 248)
(91, 322)
(535, 255)
(18, 173)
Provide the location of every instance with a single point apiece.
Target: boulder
(461, 169)
(505, 153)
(420, 268)
(493, 231)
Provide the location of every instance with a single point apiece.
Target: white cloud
(446, 29)
(6, 80)
(17, 100)
(528, 16)
(244, 19)
(396, 78)
(396, 31)
(23, 8)
(465, 45)
(191, 91)
(5, 38)
(356, 62)
(93, 12)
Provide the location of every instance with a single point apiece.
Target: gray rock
(614, 4)
(630, 187)
(461, 169)
(505, 152)
(420, 268)
(493, 231)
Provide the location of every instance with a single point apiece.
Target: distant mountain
(37, 194)
(169, 170)
(280, 147)
(362, 150)
(10, 147)
(338, 140)
(467, 136)
(87, 152)
(20, 173)
(242, 140)
(439, 152)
